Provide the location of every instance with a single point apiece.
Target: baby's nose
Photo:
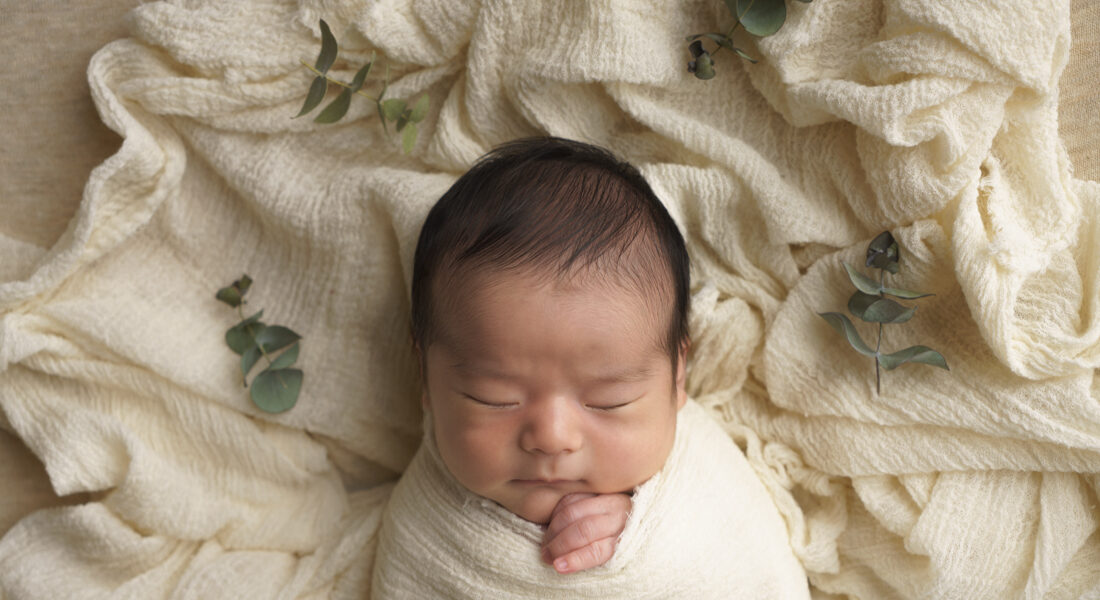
(551, 427)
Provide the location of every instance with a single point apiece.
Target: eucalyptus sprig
(871, 305)
(276, 388)
(396, 110)
(758, 17)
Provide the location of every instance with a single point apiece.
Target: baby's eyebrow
(481, 371)
(629, 375)
(626, 375)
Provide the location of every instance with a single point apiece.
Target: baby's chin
(535, 505)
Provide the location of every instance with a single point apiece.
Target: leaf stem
(729, 33)
(240, 312)
(878, 344)
(337, 81)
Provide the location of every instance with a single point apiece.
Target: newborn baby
(549, 311)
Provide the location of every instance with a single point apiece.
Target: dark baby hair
(559, 206)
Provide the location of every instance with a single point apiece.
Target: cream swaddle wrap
(702, 527)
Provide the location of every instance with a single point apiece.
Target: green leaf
(759, 17)
(408, 138)
(248, 360)
(316, 94)
(242, 336)
(420, 109)
(702, 66)
(906, 294)
(361, 76)
(919, 354)
(403, 120)
(864, 283)
(276, 391)
(392, 108)
(285, 359)
(859, 303)
(882, 252)
(841, 323)
(745, 56)
(233, 294)
(885, 310)
(230, 295)
(328, 49)
(276, 337)
(336, 109)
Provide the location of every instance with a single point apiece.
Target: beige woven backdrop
(53, 139)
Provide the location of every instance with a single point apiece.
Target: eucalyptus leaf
(230, 295)
(248, 360)
(859, 303)
(408, 138)
(906, 294)
(361, 76)
(328, 49)
(392, 108)
(841, 323)
(243, 284)
(285, 359)
(420, 109)
(919, 354)
(316, 93)
(242, 336)
(403, 120)
(759, 17)
(276, 337)
(862, 282)
(336, 109)
(276, 391)
(885, 310)
(702, 66)
(882, 252)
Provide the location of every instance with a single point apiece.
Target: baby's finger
(592, 555)
(565, 515)
(568, 499)
(584, 532)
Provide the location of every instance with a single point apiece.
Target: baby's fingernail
(561, 565)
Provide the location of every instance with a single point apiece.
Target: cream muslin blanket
(936, 120)
(702, 528)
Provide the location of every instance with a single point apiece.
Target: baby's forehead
(480, 305)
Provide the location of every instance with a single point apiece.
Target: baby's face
(539, 389)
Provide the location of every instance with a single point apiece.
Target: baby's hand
(583, 530)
